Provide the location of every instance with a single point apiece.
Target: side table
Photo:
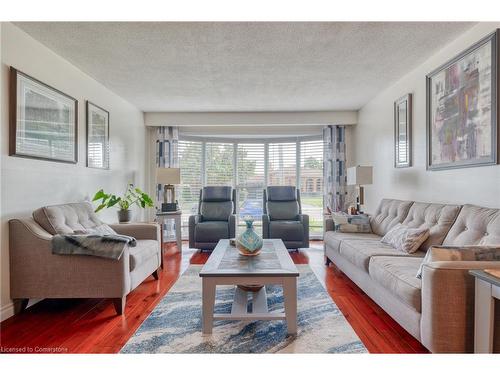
(162, 217)
(487, 290)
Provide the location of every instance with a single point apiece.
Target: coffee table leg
(208, 301)
(290, 294)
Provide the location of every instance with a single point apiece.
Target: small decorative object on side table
(487, 290)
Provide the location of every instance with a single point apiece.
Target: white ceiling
(245, 66)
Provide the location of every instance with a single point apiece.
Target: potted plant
(132, 196)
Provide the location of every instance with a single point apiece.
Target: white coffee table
(226, 266)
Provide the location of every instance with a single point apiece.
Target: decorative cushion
(405, 239)
(475, 226)
(437, 217)
(389, 213)
(459, 253)
(281, 193)
(67, 218)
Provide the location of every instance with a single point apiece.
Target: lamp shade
(168, 176)
(359, 175)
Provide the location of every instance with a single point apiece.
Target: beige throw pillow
(405, 239)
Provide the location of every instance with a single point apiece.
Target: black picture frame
(39, 143)
(97, 158)
(493, 40)
(403, 147)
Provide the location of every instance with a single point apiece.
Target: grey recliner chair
(215, 219)
(283, 217)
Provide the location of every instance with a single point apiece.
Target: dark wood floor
(92, 326)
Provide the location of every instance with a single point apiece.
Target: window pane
(282, 164)
(189, 189)
(311, 184)
(219, 164)
(250, 172)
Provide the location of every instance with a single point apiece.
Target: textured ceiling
(245, 66)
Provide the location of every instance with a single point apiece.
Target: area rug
(174, 326)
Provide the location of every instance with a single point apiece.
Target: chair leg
(156, 274)
(120, 304)
(20, 305)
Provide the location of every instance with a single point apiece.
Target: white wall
(374, 144)
(27, 183)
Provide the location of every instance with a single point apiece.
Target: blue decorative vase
(249, 242)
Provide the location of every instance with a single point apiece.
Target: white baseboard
(6, 311)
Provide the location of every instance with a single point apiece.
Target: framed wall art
(97, 136)
(462, 127)
(43, 120)
(402, 131)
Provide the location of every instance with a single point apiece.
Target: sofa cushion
(359, 252)
(389, 213)
(216, 193)
(67, 218)
(333, 239)
(289, 230)
(216, 211)
(438, 218)
(144, 250)
(281, 193)
(397, 275)
(283, 210)
(475, 226)
(211, 231)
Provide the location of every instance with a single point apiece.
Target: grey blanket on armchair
(109, 246)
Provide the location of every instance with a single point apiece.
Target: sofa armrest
(232, 225)
(37, 273)
(265, 226)
(329, 225)
(304, 219)
(193, 221)
(140, 231)
(447, 322)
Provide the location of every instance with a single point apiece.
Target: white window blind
(219, 164)
(190, 158)
(282, 164)
(250, 182)
(311, 183)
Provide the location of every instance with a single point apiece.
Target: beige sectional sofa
(437, 309)
(35, 272)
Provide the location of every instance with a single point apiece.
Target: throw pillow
(459, 253)
(405, 239)
(351, 223)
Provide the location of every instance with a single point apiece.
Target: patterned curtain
(167, 153)
(335, 172)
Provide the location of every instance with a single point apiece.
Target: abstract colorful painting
(461, 109)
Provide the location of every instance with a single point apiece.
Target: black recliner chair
(215, 219)
(283, 217)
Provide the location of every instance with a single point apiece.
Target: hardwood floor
(92, 326)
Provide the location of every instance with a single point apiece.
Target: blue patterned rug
(174, 326)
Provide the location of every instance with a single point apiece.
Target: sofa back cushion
(282, 202)
(389, 213)
(438, 218)
(67, 218)
(475, 226)
(216, 211)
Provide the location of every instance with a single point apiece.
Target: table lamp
(168, 177)
(360, 176)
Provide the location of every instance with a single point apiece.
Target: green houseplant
(132, 196)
